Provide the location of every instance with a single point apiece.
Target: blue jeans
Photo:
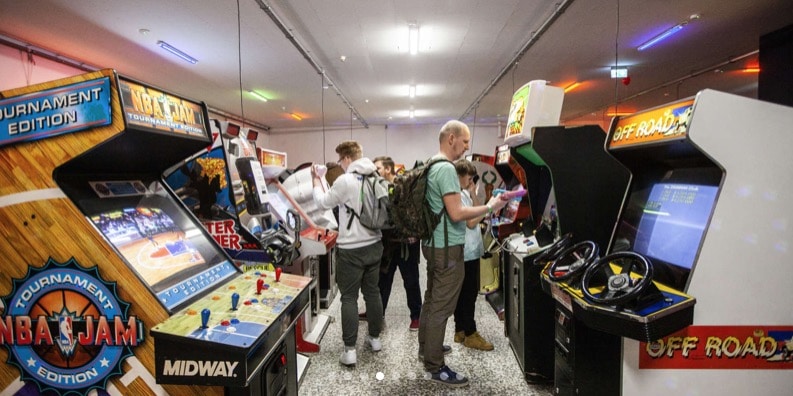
(359, 269)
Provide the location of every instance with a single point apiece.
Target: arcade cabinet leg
(588, 361)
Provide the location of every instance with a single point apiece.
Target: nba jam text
(66, 329)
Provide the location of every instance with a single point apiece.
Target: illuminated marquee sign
(57, 111)
(669, 122)
(66, 330)
(150, 108)
(721, 347)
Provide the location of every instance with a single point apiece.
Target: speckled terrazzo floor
(491, 373)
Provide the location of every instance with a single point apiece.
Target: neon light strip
(657, 39)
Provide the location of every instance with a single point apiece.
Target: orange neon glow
(751, 70)
(572, 87)
(295, 116)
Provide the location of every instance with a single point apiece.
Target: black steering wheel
(280, 249)
(620, 288)
(573, 261)
(552, 252)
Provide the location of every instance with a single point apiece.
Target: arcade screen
(160, 242)
(666, 221)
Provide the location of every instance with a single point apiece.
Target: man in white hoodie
(358, 249)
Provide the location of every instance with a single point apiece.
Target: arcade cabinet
(707, 206)
(229, 198)
(298, 186)
(697, 222)
(489, 270)
(128, 292)
(527, 310)
(317, 233)
(588, 204)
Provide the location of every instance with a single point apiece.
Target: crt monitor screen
(168, 251)
(673, 222)
(667, 220)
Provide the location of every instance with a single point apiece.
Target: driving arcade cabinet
(698, 221)
(109, 282)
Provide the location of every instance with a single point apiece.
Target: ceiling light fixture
(412, 112)
(619, 72)
(666, 33)
(295, 116)
(413, 38)
(572, 87)
(412, 91)
(258, 95)
(176, 51)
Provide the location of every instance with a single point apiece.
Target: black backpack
(410, 209)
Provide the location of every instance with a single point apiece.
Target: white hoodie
(346, 189)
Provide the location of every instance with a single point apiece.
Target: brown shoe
(459, 336)
(475, 341)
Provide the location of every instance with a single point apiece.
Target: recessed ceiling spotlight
(144, 31)
(343, 58)
(366, 100)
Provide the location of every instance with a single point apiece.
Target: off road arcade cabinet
(708, 207)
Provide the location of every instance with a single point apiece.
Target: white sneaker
(348, 357)
(375, 343)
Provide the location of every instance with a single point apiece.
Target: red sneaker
(414, 325)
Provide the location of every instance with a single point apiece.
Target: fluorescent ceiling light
(258, 95)
(413, 38)
(661, 37)
(295, 116)
(619, 72)
(412, 91)
(176, 51)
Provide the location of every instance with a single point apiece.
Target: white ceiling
(468, 72)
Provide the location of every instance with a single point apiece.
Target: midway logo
(203, 368)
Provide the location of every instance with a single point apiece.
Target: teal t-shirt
(443, 180)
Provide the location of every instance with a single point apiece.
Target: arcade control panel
(223, 338)
(326, 236)
(670, 311)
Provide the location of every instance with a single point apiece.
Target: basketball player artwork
(66, 329)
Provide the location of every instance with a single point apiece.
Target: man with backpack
(358, 248)
(444, 251)
(402, 253)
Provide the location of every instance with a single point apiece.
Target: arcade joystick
(204, 318)
(235, 299)
(512, 194)
(259, 285)
(278, 274)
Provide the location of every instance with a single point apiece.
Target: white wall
(16, 71)
(404, 143)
